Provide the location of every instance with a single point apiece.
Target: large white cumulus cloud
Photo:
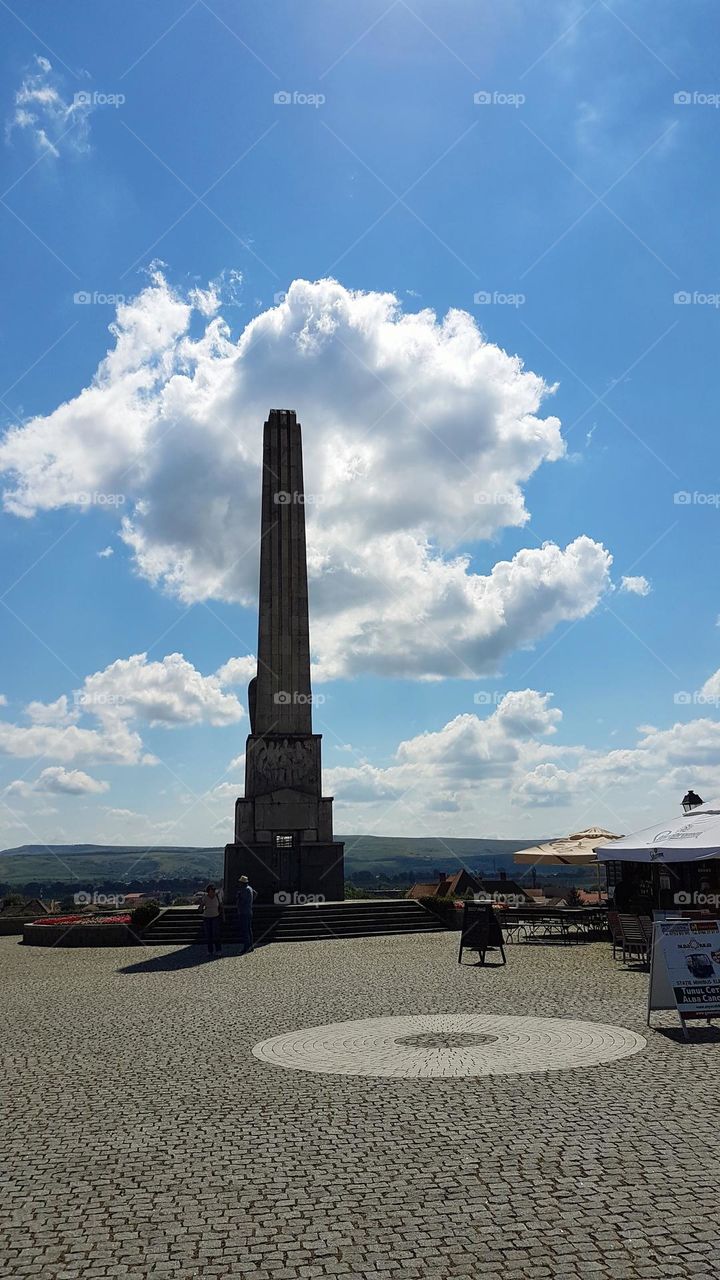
(129, 692)
(419, 436)
(507, 772)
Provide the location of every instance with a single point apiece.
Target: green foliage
(440, 905)
(13, 900)
(144, 914)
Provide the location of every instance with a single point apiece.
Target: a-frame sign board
(685, 969)
(481, 930)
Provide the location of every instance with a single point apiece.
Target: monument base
(282, 875)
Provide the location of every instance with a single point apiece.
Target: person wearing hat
(245, 899)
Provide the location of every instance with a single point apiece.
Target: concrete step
(311, 936)
(180, 926)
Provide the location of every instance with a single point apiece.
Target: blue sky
(576, 197)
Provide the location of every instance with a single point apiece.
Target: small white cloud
(58, 712)
(206, 301)
(711, 688)
(3, 700)
(636, 586)
(237, 671)
(58, 781)
(18, 788)
(105, 553)
(167, 693)
(224, 791)
(42, 114)
(72, 782)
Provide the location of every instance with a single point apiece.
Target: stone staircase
(356, 918)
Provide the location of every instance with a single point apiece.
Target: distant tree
(13, 900)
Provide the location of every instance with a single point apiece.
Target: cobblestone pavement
(142, 1138)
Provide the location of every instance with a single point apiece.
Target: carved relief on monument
(275, 763)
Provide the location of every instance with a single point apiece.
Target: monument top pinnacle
(282, 699)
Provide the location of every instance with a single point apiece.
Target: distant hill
(395, 855)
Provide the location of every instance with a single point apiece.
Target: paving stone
(153, 1141)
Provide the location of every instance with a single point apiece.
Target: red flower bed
(83, 920)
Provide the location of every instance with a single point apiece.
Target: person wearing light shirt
(211, 907)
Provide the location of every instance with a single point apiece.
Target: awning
(577, 850)
(692, 837)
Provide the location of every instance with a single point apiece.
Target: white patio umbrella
(692, 837)
(577, 850)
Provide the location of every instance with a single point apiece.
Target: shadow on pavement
(184, 958)
(698, 1034)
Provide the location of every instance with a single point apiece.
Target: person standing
(245, 901)
(211, 906)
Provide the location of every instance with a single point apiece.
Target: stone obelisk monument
(283, 824)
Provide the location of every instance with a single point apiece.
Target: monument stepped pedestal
(362, 918)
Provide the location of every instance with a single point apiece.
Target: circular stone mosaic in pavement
(452, 1044)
